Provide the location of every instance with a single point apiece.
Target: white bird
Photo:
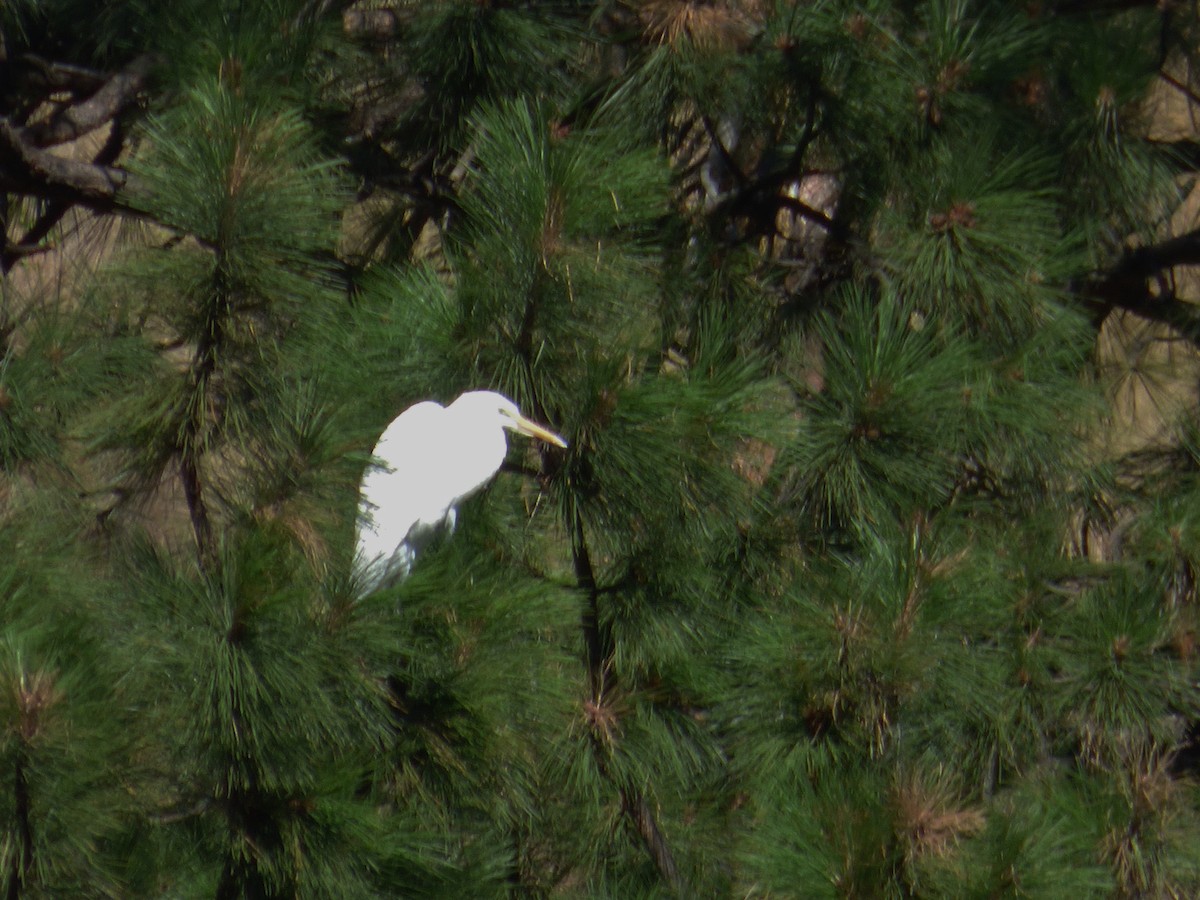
(432, 457)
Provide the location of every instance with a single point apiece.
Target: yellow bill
(534, 430)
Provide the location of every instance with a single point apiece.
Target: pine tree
(869, 570)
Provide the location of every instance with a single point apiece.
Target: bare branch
(1149, 260)
(170, 817)
(98, 110)
(12, 253)
(370, 24)
(53, 212)
(31, 242)
(1127, 285)
(62, 76)
(27, 169)
(638, 809)
(1185, 89)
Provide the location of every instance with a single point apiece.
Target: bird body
(432, 458)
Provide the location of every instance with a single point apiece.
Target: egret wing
(400, 492)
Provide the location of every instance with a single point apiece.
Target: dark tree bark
(1141, 283)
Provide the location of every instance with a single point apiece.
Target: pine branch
(31, 242)
(101, 108)
(1183, 152)
(315, 10)
(379, 25)
(1149, 260)
(193, 492)
(1186, 89)
(22, 859)
(1127, 285)
(638, 809)
(204, 365)
(61, 76)
(26, 168)
(182, 814)
(598, 650)
(250, 817)
(759, 202)
(601, 682)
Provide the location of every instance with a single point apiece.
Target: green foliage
(66, 361)
(1118, 671)
(837, 589)
(1105, 169)
(65, 749)
(467, 54)
(983, 241)
(1036, 845)
(259, 717)
(228, 172)
(243, 182)
(883, 438)
(553, 268)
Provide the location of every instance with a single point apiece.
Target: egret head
(485, 404)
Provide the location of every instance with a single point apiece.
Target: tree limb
(638, 809)
(598, 656)
(26, 168)
(1152, 259)
(61, 76)
(1185, 89)
(53, 212)
(98, 110)
(1127, 285)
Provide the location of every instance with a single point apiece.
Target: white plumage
(432, 457)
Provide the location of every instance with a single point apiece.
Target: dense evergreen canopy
(870, 570)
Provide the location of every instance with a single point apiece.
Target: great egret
(432, 458)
